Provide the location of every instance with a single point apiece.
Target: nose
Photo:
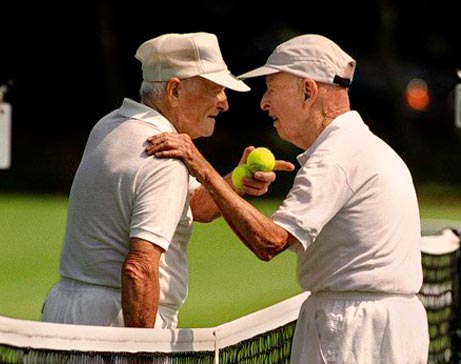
(223, 105)
(264, 104)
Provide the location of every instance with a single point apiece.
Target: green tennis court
(226, 280)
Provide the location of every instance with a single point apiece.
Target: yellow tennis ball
(261, 159)
(239, 173)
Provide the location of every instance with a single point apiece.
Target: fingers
(246, 152)
(153, 138)
(269, 177)
(157, 143)
(285, 166)
(169, 139)
(158, 138)
(168, 144)
(255, 192)
(255, 187)
(260, 182)
(264, 177)
(280, 165)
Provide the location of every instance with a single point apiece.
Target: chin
(205, 134)
(280, 133)
(208, 131)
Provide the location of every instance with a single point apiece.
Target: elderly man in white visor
(124, 260)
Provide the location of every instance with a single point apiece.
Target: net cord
(51, 336)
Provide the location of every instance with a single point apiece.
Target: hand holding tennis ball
(260, 159)
(239, 173)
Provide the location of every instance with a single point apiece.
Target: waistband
(75, 284)
(360, 295)
(70, 284)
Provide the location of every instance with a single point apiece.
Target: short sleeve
(193, 184)
(319, 191)
(160, 202)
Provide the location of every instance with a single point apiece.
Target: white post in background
(5, 131)
(458, 106)
(458, 103)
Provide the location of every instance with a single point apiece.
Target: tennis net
(262, 337)
(441, 288)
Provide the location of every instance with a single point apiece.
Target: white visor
(226, 79)
(260, 71)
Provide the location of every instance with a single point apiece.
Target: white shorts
(73, 302)
(361, 328)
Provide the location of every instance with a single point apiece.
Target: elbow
(204, 218)
(269, 242)
(264, 256)
(136, 271)
(266, 252)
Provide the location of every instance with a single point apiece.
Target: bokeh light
(417, 96)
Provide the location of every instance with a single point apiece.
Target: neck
(334, 103)
(148, 102)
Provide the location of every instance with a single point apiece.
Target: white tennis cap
(186, 55)
(311, 56)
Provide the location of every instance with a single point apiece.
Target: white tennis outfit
(354, 209)
(120, 192)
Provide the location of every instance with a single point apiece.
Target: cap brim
(226, 79)
(261, 71)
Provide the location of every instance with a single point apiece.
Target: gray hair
(152, 89)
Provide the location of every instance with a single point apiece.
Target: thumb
(246, 152)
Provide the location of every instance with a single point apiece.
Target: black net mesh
(439, 294)
(272, 347)
(14, 355)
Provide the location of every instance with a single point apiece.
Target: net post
(216, 348)
(456, 333)
(5, 130)
(457, 106)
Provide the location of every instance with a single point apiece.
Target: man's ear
(172, 88)
(307, 93)
(310, 88)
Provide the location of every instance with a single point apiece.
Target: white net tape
(50, 336)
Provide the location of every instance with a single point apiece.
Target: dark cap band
(341, 81)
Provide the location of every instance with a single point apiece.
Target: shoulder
(166, 168)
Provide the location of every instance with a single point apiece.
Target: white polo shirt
(120, 192)
(354, 208)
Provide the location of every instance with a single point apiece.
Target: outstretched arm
(257, 231)
(203, 206)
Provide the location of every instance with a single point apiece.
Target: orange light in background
(417, 95)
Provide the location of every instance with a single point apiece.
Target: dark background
(67, 65)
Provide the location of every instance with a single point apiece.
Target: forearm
(204, 208)
(140, 296)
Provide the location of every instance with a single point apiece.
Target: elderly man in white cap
(351, 216)
(130, 216)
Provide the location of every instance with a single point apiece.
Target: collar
(348, 120)
(135, 110)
